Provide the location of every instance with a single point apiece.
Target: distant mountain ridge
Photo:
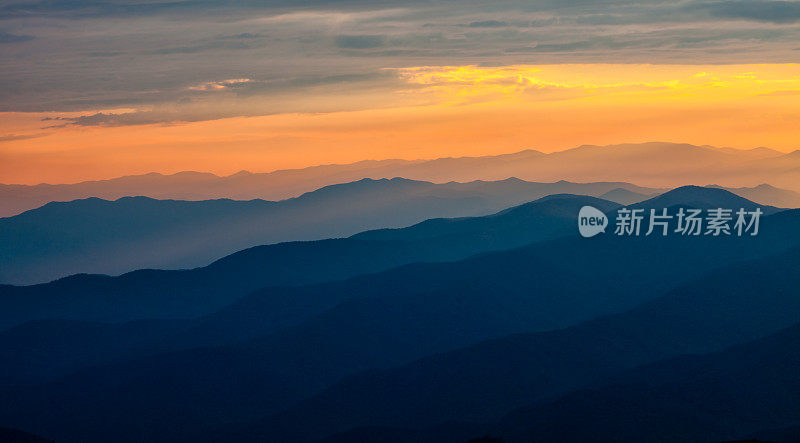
(104, 237)
(654, 164)
(113, 237)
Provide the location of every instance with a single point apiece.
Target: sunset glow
(431, 111)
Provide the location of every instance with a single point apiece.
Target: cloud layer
(153, 56)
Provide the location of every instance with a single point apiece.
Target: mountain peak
(701, 197)
(694, 192)
(793, 154)
(364, 184)
(525, 153)
(766, 187)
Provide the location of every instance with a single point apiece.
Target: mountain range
(402, 347)
(113, 237)
(680, 399)
(474, 385)
(96, 236)
(654, 164)
(188, 293)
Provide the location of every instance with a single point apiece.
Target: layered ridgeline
(649, 164)
(280, 353)
(189, 293)
(16, 436)
(748, 392)
(751, 390)
(721, 396)
(112, 237)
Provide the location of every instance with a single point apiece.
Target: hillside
(113, 237)
(312, 335)
(476, 384)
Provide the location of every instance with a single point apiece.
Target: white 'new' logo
(591, 221)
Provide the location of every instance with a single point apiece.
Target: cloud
(488, 24)
(193, 49)
(360, 41)
(135, 118)
(104, 119)
(105, 53)
(243, 35)
(12, 137)
(220, 85)
(765, 11)
(557, 47)
(243, 97)
(144, 8)
(95, 8)
(140, 55)
(6, 37)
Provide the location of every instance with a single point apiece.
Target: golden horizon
(425, 112)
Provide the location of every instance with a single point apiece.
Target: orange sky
(432, 112)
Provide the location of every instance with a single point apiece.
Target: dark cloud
(103, 119)
(6, 37)
(179, 109)
(243, 35)
(90, 8)
(766, 11)
(250, 87)
(204, 47)
(557, 47)
(105, 53)
(12, 137)
(143, 8)
(488, 24)
(125, 119)
(360, 41)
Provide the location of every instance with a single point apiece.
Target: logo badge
(591, 221)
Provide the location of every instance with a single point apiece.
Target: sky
(100, 89)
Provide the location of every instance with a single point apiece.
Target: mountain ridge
(474, 384)
(112, 237)
(652, 164)
(315, 333)
(290, 263)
